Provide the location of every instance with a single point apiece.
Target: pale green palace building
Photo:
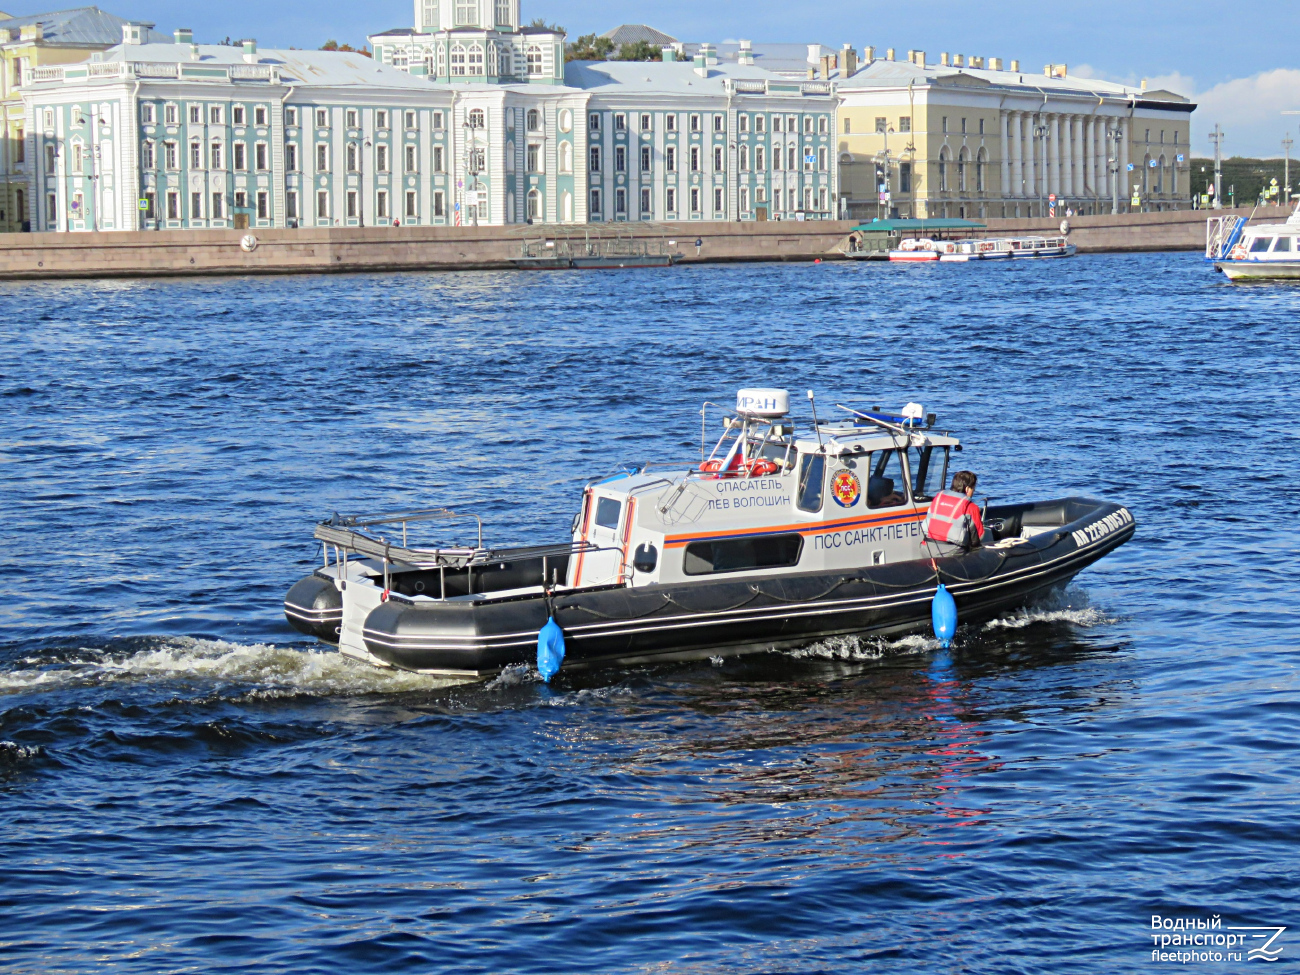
(464, 119)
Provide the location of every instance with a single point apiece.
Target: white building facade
(467, 119)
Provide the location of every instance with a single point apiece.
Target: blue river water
(188, 785)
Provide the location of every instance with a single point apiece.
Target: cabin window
(929, 469)
(741, 554)
(607, 512)
(1260, 244)
(885, 487)
(812, 472)
(1283, 244)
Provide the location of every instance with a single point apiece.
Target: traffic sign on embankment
(344, 249)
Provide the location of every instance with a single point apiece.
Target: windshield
(929, 468)
(812, 472)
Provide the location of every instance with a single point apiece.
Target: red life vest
(948, 520)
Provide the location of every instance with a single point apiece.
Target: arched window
(1160, 176)
(534, 59)
(476, 60)
(534, 205)
(962, 158)
(457, 60)
(476, 118)
(759, 158)
(943, 170)
(534, 120)
(981, 160)
(566, 157)
(1173, 173)
(566, 207)
(1146, 176)
(744, 158)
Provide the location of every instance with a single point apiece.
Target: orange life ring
(1238, 253)
(758, 467)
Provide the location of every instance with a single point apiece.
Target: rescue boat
(777, 538)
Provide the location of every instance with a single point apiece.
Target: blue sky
(1243, 75)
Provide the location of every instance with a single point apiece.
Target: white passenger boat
(1266, 252)
(960, 251)
(916, 249)
(1042, 247)
(994, 248)
(776, 539)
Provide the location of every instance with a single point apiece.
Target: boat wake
(258, 670)
(864, 648)
(1068, 606)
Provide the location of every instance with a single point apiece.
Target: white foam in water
(856, 648)
(14, 752)
(513, 676)
(1070, 606)
(268, 669)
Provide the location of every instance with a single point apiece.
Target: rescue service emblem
(845, 488)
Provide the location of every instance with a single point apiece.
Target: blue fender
(943, 614)
(550, 649)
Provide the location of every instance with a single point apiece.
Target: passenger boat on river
(778, 538)
(1264, 252)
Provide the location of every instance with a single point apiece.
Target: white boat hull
(1259, 270)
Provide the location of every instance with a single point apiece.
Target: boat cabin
(767, 500)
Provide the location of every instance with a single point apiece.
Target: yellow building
(26, 43)
(977, 137)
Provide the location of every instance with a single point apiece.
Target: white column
(1031, 157)
(1015, 149)
(1005, 164)
(1090, 157)
(1103, 157)
(1077, 178)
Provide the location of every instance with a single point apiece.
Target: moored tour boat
(1042, 247)
(776, 540)
(915, 249)
(1265, 252)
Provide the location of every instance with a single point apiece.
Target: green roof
(890, 226)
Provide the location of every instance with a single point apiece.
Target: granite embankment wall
(314, 251)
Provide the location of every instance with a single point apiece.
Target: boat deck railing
(386, 537)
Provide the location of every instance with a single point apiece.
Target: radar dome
(764, 403)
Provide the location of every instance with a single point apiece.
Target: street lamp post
(883, 191)
(1217, 138)
(1113, 138)
(1287, 143)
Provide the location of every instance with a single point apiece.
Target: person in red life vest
(953, 522)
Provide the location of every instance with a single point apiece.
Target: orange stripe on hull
(803, 528)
